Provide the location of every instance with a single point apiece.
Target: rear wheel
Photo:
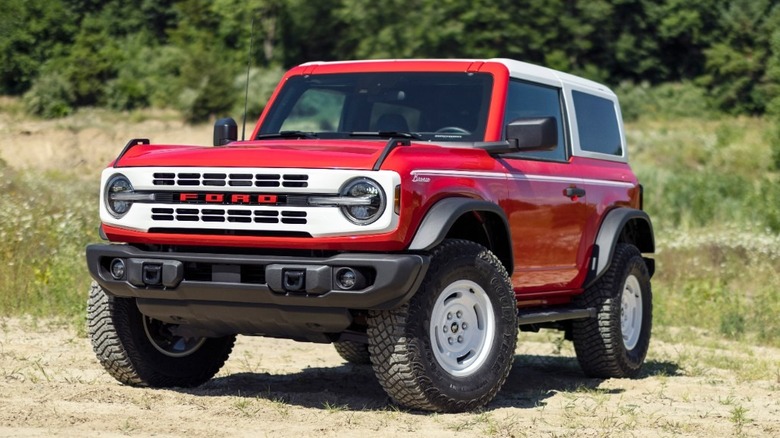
(615, 343)
(353, 352)
(142, 351)
(452, 346)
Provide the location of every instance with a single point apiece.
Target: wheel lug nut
(460, 339)
(459, 314)
(445, 329)
(449, 340)
(449, 315)
(465, 326)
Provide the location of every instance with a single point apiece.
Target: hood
(340, 154)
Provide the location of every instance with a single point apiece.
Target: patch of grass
(332, 408)
(46, 220)
(739, 419)
(723, 279)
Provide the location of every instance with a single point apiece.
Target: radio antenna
(246, 89)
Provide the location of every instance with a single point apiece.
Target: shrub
(51, 96)
(207, 86)
(664, 101)
(262, 83)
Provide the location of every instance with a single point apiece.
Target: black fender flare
(443, 215)
(610, 232)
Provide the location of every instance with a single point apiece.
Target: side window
(526, 100)
(316, 110)
(597, 123)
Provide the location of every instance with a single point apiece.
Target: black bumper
(292, 297)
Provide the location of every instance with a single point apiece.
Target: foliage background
(192, 54)
(699, 83)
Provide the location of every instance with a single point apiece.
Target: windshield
(425, 106)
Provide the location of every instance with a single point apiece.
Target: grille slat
(192, 179)
(259, 216)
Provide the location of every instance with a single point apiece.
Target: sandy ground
(52, 385)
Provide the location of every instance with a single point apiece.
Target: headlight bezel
(117, 208)
(347, 191)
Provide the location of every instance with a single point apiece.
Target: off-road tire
(599, 342)
(401, 341)
(353, 352)
(116, 328)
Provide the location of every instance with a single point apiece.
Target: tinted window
(527, 100)
(438, 106)
(598, 124)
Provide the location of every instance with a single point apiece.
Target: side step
(564, 313)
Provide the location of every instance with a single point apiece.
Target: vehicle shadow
(354, 387)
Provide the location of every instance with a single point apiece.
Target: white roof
(536, 73)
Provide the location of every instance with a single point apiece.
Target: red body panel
(268, 153)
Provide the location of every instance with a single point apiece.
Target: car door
(545, 207)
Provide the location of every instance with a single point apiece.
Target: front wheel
(141, 351)
(451, 347)
(615, 343)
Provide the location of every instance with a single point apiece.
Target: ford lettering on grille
(229, 198)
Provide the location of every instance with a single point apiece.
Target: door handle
(574, 193)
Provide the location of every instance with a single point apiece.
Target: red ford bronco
(414, 213)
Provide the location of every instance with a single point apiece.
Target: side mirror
(537, 134)
(225, 131)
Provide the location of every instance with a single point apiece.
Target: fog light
(118, 269)
(346, 278)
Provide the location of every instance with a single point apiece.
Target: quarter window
(597, 123)
(527, 100)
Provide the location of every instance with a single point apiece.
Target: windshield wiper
(387, 134)
(287, 134)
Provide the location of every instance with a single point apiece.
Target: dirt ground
(52, 385)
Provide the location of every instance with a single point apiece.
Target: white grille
(289, 215)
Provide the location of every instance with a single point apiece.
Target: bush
(51, 96)
(207, 86)
(262, 83)
(664, 101)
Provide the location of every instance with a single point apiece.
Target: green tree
(736, 63)
(31, 31)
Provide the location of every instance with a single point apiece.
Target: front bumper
(291, 297)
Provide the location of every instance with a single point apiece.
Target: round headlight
(370, 201)
(118, 185)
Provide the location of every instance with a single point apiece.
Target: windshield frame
(363, 92)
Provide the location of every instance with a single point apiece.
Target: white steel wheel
(631, 312)
(463, 327)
